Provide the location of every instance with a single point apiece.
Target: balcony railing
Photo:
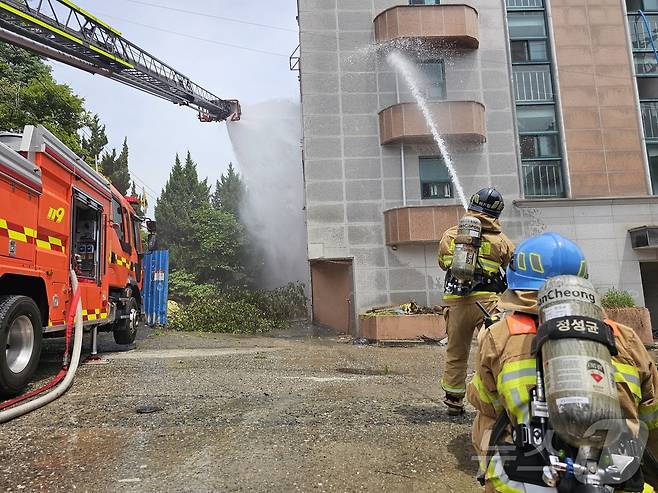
(533, 85)
(650, 119)
(519, 4)
(543, 179)
(640, 38)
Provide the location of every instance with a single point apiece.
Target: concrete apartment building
(553, 102)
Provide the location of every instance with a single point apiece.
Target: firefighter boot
(455, 404)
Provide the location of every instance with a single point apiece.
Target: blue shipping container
(156, 286)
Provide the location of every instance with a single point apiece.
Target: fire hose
(62, 382)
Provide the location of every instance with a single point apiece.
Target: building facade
(553, 102)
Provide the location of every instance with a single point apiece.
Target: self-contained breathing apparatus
(576, 439)
(466, 274)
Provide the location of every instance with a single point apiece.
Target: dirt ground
(286, 412)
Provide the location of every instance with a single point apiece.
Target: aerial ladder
(62, 31)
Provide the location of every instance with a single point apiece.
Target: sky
(157, 129)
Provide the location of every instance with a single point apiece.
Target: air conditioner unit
(644, 237)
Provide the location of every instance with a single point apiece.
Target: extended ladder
(61, 30)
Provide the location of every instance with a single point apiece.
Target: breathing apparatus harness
(466, 274)
(540, 452)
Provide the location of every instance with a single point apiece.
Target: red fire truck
(57, 213)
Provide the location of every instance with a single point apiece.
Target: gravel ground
(286, 412)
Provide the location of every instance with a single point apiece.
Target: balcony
(440, 25)
(425, 224)
(543, 179)
(457, 121)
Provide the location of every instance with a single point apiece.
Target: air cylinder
(467, 243)
(578, 373)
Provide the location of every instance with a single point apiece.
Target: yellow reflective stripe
(484, 394)
(452, 390)
(62, 33)
(30, 232)
(43, 244)
(499, 478)
(55, 241)
(3, 224)
(513, 382)
(15, 235)
(112, 57)
(40, 23)
(489, 265)
(629, 375)
(647, 489)
(649, 414)
(90, 16)
(485, 248)
(474, 293)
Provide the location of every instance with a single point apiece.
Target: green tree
(115, 168)
(181, 196)
(96, 142)
(214, 253)
(229, 191)
(30, 96)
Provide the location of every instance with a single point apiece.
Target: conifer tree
(96, 142)
(181, 196)
(229, 190)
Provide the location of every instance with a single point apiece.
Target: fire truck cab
(58, 214)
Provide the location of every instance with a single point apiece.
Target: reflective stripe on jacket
(495, 253)
(506, 373)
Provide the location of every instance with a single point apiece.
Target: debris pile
(411, 308)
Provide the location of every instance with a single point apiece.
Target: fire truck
(56, 214)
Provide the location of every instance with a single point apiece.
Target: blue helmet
(541, 257)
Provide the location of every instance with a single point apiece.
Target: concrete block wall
(600, 228)
(351, 180)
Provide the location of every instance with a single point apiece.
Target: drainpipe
(402, 158)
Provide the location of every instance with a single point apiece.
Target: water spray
(406, 68)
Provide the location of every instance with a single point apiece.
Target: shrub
(218, 314)
(615, 298)
(241, 311)
(183, 287)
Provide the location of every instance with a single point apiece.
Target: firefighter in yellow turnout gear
(461, 313)
(506, 377)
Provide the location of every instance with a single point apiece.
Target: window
(424, 2)
(647, 87)
(434, 179)
(526, 24)
(539, 138)
(536, 118)
(529, 51)
(646, 5)
(434, 80)
(539, 146)
(652, 154)
(117, 218)
(645, 64)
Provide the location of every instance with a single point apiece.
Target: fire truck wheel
(125, 330)
(20, 334)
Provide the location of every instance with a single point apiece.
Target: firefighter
(462, 315)
(505, 374)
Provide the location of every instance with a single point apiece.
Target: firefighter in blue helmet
(505, 374)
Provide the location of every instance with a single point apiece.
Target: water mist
(267, 144)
